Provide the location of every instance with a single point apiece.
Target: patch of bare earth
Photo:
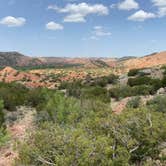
(19, 132)
(119, 106)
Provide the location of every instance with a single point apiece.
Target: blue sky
(83, 28)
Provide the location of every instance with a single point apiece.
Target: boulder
(161, 91)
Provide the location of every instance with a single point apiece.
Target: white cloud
(79, 12)
(128, 5)
(141, 16)
(11, 21)
(99, 31)
(54, 26)
(161, 4)
(162, 11)
(74, 18)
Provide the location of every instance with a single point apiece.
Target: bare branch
(44, 161)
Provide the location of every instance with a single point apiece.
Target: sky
(83, 28)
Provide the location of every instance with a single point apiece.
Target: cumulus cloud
(54, 26)
(128, 5)
(11, 21)
(161, 4)
(79, 12)
(141, 16)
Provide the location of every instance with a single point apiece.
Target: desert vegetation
(75, 124)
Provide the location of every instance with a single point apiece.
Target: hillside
(17, 59)
(155, 59)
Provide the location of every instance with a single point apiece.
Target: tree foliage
(133, 72)
(87, 133)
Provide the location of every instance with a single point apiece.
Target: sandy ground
(18, 132)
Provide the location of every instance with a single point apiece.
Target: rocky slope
(155, 59)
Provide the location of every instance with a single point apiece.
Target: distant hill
(16, 59)
(155, 59)
(154, 53)
(126, 58)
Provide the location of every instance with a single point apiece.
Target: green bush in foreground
(59, 109)
(96, 137)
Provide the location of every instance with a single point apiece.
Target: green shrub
(158, 104)
(156, 83)
(74, 89)
(133, 72)
(112, 79)
(13, 95)
(127, 91)
(59, 109)
(100, 81)
(142, 80)
(102, 139)
(134, 102)
(103, 81)
(120, 92)
(95, 93)
(38, 96)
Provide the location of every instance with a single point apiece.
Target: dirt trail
(119, 106)
(19, 132)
